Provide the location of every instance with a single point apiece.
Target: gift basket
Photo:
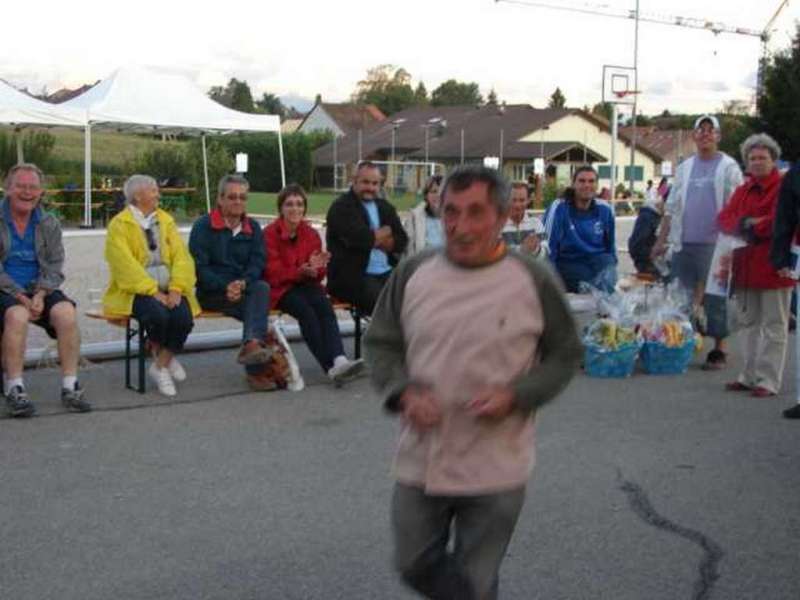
(669, 338)
(611, 343)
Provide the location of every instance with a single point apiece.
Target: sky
(303, 48)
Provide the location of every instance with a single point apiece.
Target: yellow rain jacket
(127, 254)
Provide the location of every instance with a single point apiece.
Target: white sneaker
(176, 370)
(346, 370)
(163, 380)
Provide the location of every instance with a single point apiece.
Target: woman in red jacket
(762, 296)
(295, 267)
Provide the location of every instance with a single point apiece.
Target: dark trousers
(313, 311)
(167, 327)
(482, 527)
(370, 290)
(252, 310)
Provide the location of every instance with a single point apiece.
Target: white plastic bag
(296, 382)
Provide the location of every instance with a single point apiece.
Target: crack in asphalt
(709, 566)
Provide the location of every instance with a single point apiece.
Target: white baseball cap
(710, 118)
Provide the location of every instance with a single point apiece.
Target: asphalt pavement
(652, 487)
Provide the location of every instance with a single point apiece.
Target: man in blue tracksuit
(580, 235)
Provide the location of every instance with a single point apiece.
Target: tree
(456, 93)
(387, 87)
(557, 99)
(272, 105)
(492, 98)
(235, 95)
(421, 95)
(603, 109)
(779, 101)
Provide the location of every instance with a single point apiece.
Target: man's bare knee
(63, 317)
(16, 319)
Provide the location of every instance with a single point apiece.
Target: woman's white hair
(763, 141)
(134, 184)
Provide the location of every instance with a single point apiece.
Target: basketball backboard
(619, 84)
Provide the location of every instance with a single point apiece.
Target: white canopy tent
(20, 110)
(140, 99)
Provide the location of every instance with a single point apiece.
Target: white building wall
(319, 120)
(573, 128)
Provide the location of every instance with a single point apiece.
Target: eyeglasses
(28, 187)
(151, 239)
(240, 197)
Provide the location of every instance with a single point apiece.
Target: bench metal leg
(354, 312)
(139, 333)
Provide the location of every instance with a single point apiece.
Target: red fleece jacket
(285, 255)
(756, 197)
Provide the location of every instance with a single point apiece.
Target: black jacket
(641, 242)
(787, 218)
(350, 239)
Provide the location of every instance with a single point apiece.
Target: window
(638, 173)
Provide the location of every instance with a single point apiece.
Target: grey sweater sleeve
(560, 349)
(384, 342)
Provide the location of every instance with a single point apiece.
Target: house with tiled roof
(340, 119)
(516, 135)
(673, 145)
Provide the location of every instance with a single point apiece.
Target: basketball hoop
(622, 93)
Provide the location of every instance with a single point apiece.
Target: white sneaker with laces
(163, 380)
(176, 370)
(345, 370)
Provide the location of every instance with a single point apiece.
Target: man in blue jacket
(580, 235)
(229, 256)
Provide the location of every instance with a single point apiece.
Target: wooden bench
(135, 330)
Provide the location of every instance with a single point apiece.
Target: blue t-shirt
(434, 235)
(21, 263)
(700, 204)
(378, 261)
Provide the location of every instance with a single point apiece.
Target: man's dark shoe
(18, 403)
(74, 399)
(253, 352)
(715, 361)
(792, 413)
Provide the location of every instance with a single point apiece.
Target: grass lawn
(262, 203)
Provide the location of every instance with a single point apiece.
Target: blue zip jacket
(581, 242)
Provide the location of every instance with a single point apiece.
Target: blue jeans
(167, 327)
(313, 311)
(598, 270)
(691, 266)
(252, 310)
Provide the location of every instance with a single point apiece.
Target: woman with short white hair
(762, 295)
(152, 278)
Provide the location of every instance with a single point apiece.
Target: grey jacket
(49, 252)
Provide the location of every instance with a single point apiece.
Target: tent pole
(87, 176)
(280, 153)
(205, 172)
(20, 153)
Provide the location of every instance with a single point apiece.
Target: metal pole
(360, 134)
(500, 166)
(462, 146)
(335, 160)
(541, 145)
(20, 152)
(584, 147)
(427, 131)
(205, 172)
(613, 174)
(280, 155)
(87, 176)
(635, 96)
(391, 180)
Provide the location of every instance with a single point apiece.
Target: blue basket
(602, 362)
(658, 359)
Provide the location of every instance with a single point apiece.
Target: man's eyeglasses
(240, 197)
(151, 239)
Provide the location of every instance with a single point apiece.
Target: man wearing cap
(703, 184)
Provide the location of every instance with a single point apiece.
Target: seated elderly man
(229, 256)
(31, 272)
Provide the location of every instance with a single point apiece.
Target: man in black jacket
(785, 230)
(365, 238)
